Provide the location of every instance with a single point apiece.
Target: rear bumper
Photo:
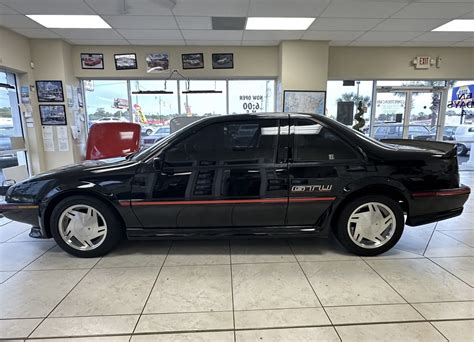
(21, 212)
(431, 206)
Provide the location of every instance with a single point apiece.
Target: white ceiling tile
(272, 35)
(443, 37)
(88, 33)
(343, 24)
(448, 10)
(340, 42)
(427, 44)
(150, 34)
(260, 42)
(18, 21)
(361, 9)
(36, 33)
(7, 10)
(49, 6)
(225, 8)
(194, 23)
(285, 8)
(212, 34)
(382, 43)
(464, 44)
(133, 7)
(141, 22)
(409, 25)
(332, 35)
(388, 36)
(98, 42)
(213, 42)
(156, 42)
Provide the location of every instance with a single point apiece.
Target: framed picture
(50, 91)
(304, 101)
(125, 61)
(157, 62)
(223, 61)
(193, 60)
(53, 115)
(92, 61)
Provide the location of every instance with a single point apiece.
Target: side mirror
(157, 163)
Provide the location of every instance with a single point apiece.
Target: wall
(248, 61)
(368, 63)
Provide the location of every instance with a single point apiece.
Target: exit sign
(422, 62)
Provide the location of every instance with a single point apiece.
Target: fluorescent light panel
(278, 23)
(457, 25)
(69, 21)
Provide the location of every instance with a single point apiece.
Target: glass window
(360, 91)
(10, 124)
(153, 111)
(240, 142)
(106, 101)
(214, 102)
(313, 142)
(251, 96)
(412, 83)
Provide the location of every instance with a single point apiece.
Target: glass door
(404, 113)
(390, 114)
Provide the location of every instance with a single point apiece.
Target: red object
(112, 139)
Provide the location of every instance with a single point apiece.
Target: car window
(247, 142)
(392, 130)
(382, 130)
(314, 142)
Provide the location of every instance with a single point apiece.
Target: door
(320, 165)
(228, 174)
(404, 113)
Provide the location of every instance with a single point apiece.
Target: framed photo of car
(92, 61)
(125, 61)
(157, 62)
(304, 101)
(193, 60)
(53, 115)
(50, 91)
(223, 61)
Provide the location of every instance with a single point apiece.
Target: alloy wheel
(82, 227)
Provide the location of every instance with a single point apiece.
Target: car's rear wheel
(85, 227)
(370, 225)
(149, 131)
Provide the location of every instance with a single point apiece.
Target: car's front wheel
(462, 149)
(370, 225)
(85, 227)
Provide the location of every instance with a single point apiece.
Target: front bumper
(21, 212)
(431, 206)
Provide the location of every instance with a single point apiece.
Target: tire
(64, 231)
(149, 131)
(462, 149)
(346, 232)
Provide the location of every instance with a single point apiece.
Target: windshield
(146, 153)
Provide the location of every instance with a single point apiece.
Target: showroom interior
(391, 69)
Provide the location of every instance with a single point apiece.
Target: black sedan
(247, 175)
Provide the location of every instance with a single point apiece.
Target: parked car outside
(276, 174)
(395, 131)
(158, 134)
(464, 137)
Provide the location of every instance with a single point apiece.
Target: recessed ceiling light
(69, 21)
(273, 23)
(457, 25)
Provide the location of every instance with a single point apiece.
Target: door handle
(355, 168)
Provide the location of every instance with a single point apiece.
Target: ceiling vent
(228, 23)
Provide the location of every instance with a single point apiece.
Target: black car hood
(88, 166)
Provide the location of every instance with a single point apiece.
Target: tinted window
(313, 142)
(244, 142)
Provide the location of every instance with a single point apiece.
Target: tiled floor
(256, 290)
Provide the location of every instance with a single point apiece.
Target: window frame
(359, 157)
